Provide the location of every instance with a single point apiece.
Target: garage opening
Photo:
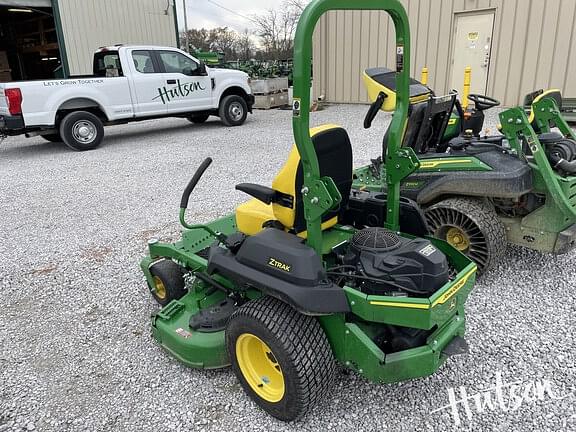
(29, 47)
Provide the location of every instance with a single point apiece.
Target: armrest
(262, 193)
(266, 195)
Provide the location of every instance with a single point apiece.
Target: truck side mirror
(201, 69)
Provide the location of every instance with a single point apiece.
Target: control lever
(373, 110)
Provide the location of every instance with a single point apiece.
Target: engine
(378, 261)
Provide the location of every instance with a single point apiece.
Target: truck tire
(233, 110)
(55, 138)
(81, 130)
(282, 358)
(471, 226)
(198, 118)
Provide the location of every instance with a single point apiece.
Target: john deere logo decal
(279, 265)
(178, 91)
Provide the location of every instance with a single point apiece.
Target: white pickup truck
(129, 83)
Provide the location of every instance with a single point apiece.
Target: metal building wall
(89, 24)
(534, 46)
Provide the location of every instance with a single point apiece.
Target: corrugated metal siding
(534, 46)
(89, 24)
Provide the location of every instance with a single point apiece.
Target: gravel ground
(76, 352)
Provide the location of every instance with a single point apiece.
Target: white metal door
(186, 88)
(472, 45)
(147, 83)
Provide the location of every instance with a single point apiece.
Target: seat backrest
(334, 153)
(534, 97)
(427, 123)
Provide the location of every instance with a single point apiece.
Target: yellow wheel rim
(160, 288)
(260, 367)
(458, 239)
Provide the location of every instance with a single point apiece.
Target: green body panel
(364, 178)
(453, 128)
(350, 335)
(195, 349)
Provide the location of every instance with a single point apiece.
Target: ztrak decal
(181, 90)
(279, 265)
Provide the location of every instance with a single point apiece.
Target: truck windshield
(107, 64)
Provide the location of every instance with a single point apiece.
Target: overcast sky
(206, 13)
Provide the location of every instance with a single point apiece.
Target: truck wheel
(198, 118)
(471, 226)
(81, 130)
(282, 358)
(233, 110)
(168, 281)
(52, 137)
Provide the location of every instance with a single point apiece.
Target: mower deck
(443, 311)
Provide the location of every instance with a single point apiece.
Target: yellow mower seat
(252, 215)
(285, 207)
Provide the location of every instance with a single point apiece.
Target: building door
(472, 45)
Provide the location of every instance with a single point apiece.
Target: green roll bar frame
(320, 194)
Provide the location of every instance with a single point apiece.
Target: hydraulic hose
(562, 164)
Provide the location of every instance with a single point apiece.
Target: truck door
(147, 82)
(187, 87)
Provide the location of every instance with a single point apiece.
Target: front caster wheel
(471, 226)
(168, 280)
(282, 358)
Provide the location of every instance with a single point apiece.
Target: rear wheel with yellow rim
(282, 358)
(471, 226)
(167, 281)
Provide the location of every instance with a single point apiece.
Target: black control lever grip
(197, 175)
(374, 108)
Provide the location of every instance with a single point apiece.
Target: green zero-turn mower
(477, 192)
(283, 290)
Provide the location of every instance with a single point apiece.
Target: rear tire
(233, 110)
(198, 118)
(168, 281)
(55, 138)
(282, 358)
(471, 226)
(81, 130)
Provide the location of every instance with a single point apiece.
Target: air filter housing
(375, 239)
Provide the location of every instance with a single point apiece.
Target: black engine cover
(413, 265)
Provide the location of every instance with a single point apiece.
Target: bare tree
(245, 46)
(224, 40)
(198, 40)
(276, 28)
(297, 4)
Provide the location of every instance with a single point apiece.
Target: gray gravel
(76, 352)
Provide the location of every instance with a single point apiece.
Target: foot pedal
(214, 318)
(456, 346)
